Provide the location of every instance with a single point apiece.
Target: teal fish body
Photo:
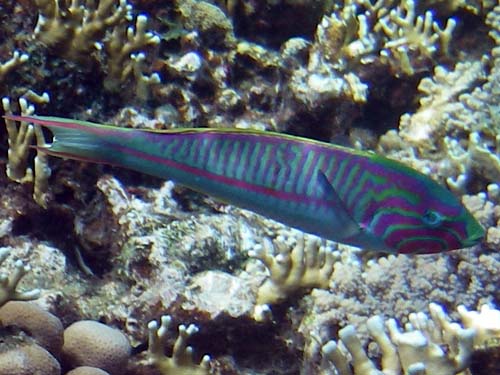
(348, 196)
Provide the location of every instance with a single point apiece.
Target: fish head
(455, 231)
(426, 219)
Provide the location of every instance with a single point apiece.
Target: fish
(349, 196)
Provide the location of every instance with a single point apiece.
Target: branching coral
(304, 266)
(16, 60)
(462, 103)
(476, 7)
(411, 37)
(477, 157)
(20, 139)
(8, 285)
(459, 115)
(77, 29)
(479, 111)
(478, 114)
(143, 81)
(440, 94)
(120, 48)
(362, 33)
(339, 41)
(181, 362)
(393, 33)
(486, 322)
(346, 35)
(427, 346)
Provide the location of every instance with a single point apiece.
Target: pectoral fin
(345, 223)
(348, 230)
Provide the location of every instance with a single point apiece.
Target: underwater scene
(255, 187)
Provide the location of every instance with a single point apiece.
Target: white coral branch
(426, 346)
(9, 284)
(181, 362)
(307, 265)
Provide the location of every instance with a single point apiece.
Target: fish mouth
(473, 240)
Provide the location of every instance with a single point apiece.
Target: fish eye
(432, 218)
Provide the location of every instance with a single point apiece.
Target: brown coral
(90, 343)
(28, 360)
(41, 325)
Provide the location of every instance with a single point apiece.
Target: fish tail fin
(73, 139)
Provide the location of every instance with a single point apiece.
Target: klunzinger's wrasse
(353, 197)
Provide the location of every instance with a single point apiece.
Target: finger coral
(120, 48)
(304, 266)
(458, 117)
(478, 114)
(486, 323)
(439, 98)
(341, 39)
(411, 37)
(20, 138)
(16, 60)
(74, 28)
(394, 32)
(390, 35)
(8, 285)
(78, 31)
(181, 362)
(426, 346)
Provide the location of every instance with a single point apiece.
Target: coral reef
(123, 57)
(409, 34)
(439, 99)
(458, 117)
